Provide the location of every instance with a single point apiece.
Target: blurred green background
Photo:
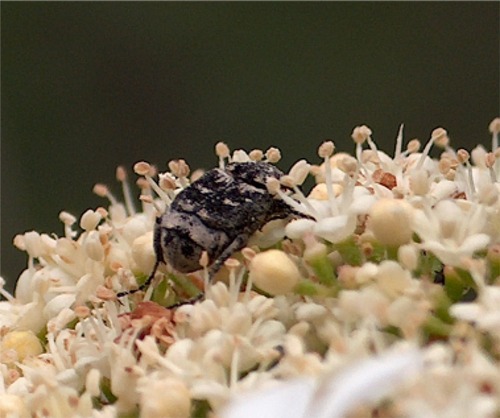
(89, 86)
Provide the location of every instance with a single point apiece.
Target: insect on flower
(218, 213)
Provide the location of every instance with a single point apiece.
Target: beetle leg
(237, 244)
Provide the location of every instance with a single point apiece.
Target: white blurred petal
(443, 189)
(466, 311)
(24, 286)
(240, 156)
(334, 396)
(368, 381)
(362, 204)
(288, 400)
(57, 304)
(33, 243)
(475, 243)
(297, 229)
(335, 229)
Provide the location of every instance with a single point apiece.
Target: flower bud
(222, 150)
(24, 343)
(408, 256)
(300, 171)
(360, 134)
(33, 243)
(390, 221)
(273, 155)
(90, 219)
(274, 272)
(143, 252)
(326, 149)
(93, 246)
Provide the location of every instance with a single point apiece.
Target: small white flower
(124, 377)
(298, 228)
(392, 279)
(33, 244)
(93, 246)
(450, 232)
(368, 302)
(485, 312)
(335, 229)
(408, 315)
(58, 304)
(13, 406)
(337, 216)
(164, 397)
(270, 234)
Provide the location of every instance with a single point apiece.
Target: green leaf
(350, 251)
(306, 288)
(435, 327)
(323, 269)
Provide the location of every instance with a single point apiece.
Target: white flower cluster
(386, 302)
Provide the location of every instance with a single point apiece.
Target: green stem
(185, 284)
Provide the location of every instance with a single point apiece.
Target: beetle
(218, 213)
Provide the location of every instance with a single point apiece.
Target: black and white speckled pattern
(218, 214)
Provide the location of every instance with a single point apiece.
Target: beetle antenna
(144, 285)
(189, 301)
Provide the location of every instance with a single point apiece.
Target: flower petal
(288, 400)
(336, 228)
(296, 229)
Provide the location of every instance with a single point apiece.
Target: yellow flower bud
(24, 343)
(274, 272)
(390, 221)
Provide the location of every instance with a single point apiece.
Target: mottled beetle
(217, 213)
